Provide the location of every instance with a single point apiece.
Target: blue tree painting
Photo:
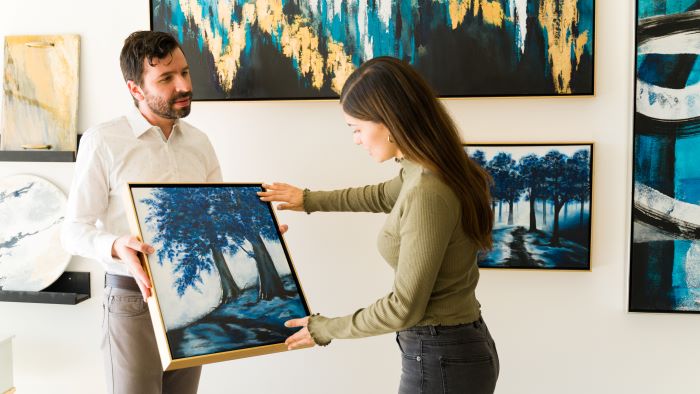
(306, 49)
(541, 203)
(665, 254)
(222, 277)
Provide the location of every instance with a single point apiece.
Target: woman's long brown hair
(388, 91)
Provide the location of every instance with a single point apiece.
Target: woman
(439, 217)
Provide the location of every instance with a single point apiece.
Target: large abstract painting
(541, 202)
(223, 281)
(31, 212)
(665, 252)
(291, 49)
(40, 100)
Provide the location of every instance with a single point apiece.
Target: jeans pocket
(127, 306)
(411, 366)
(475, 375)
(411, 374)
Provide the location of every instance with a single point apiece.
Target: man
(150, 145)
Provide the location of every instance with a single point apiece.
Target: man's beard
(165, 109)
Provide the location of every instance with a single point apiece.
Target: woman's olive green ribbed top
(423, 241)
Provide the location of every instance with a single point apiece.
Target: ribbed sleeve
(370, 198)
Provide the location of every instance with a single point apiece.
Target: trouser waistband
(121, 282)
(434, 330)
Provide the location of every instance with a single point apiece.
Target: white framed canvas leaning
(542, 204)
(223, 281)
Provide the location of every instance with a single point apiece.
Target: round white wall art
(31, 212)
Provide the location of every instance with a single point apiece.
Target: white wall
(557, 332)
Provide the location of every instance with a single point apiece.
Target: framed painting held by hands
(223, 281)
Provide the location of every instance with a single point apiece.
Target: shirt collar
(139, 124)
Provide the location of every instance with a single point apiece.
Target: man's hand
(126, 248)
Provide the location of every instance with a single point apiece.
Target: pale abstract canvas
(40, 100)
(31, 211)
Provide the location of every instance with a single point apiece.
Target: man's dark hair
(142, 45)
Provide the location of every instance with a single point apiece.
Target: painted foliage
(221, 274)
(665, 254)
(40, 100)
(542, 205)
(281, 49)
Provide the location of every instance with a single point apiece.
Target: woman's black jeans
(459, 359)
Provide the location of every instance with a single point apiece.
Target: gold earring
(389, 140)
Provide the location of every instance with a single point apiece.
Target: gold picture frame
(223, 282)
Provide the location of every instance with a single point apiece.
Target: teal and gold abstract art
(665, 250)
(306, 49)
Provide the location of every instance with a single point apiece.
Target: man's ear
(135, 90)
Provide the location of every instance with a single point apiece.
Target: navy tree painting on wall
(541, 202)
(306, 49)
(665, 253)
(222, 276)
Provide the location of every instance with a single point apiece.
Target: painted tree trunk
(580, 216)
(510, 212)
(555, 225)
(500, 210)
(269, 279)
(533, 216)
(229, 288)
(544, 212)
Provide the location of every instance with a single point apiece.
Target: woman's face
(374, 137)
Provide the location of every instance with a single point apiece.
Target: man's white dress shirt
(127, 149)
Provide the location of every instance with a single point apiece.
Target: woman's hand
(290, 197)
(301, 338)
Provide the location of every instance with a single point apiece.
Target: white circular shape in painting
(31, 212)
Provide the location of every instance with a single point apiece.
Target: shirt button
(418, 358)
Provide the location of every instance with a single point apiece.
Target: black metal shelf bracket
(41, 155)
(37, 155)
(70, 288)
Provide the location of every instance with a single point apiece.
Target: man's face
(167, 87)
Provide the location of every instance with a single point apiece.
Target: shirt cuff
(103, 246)
(310, 205)
(316, 327)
